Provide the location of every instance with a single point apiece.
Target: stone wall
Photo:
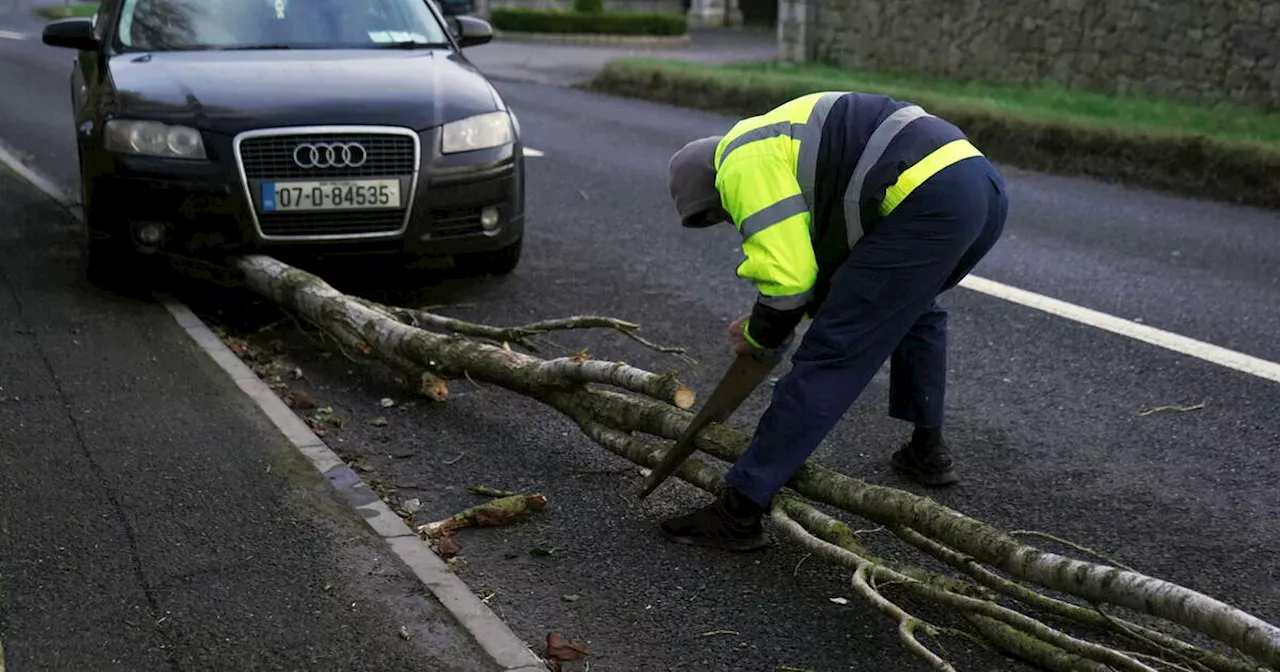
(1206, 50)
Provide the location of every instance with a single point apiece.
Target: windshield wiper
(409, 44)
(252, 47)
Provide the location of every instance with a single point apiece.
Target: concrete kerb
(494, 636)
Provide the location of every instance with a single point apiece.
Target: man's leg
(917, 394)
(890, 278)
(918, 376)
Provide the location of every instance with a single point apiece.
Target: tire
(111, 261)
(110, 265)
(499, 262)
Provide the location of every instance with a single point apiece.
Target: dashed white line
(533, 152)
(10, 35)
(1139, 332)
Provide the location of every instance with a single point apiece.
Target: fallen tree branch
(784, 511)
(522, 334)
(493, 513)
(1157, 640)
(595, 396)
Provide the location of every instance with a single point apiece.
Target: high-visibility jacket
(802, 181)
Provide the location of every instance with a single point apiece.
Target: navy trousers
(881, 305)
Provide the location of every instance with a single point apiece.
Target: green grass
(83, 10)
(1225, 123)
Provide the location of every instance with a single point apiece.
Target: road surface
(1043, 411)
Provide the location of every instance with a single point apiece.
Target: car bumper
(217, 204)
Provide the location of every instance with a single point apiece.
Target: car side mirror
(73, 33)
(471, 31)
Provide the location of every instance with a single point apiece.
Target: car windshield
(164, 25)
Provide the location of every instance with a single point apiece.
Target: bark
(579, 387)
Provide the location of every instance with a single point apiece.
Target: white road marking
(533, 152)
(1140, 332)
(10, 35)
(39, 180)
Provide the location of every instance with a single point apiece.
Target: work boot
(731, 522)
(926, 459)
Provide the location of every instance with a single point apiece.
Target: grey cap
(691, 176)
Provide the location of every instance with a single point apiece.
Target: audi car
(325, 127)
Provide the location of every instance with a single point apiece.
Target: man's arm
(764, 199)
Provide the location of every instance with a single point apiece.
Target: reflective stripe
(773, 130)
(746, 333)
(914, 176)
(879, 141)
(766, 217)
(807, 162)
(790, 302)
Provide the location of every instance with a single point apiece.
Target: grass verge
(1223, 153)
(519, 20)
(83, 9)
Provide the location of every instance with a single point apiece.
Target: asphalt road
(151, 518)
(1043, 411)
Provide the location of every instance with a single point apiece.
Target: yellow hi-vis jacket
(766, 170)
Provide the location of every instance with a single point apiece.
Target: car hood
(235, 91)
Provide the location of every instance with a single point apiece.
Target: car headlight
(152, 138)
(479, 132)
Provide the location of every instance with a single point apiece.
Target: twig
(459, 457)
(1069, 544)
(1136, 633)
(1180, 409)
(715, 633)
(1157, 659)
(440, 306)
(797, 569)
(522, 333)
(599, 472)
(490, 492)
(275, 324)
(907, 623)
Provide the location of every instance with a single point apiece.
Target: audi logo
(330, 155)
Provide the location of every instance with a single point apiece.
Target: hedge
(518, 20)
(1184, 163)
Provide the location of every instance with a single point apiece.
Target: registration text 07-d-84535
(334, 195)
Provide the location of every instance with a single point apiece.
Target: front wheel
(111, 260)
(498, 262)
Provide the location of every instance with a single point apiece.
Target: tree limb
(522, 334)
(609, 417)
(788, 507)
(1155, 639)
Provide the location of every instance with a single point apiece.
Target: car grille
(270, 158)
(330, 223)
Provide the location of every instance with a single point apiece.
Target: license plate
(330, 195)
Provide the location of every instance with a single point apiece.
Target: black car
(291, 126)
